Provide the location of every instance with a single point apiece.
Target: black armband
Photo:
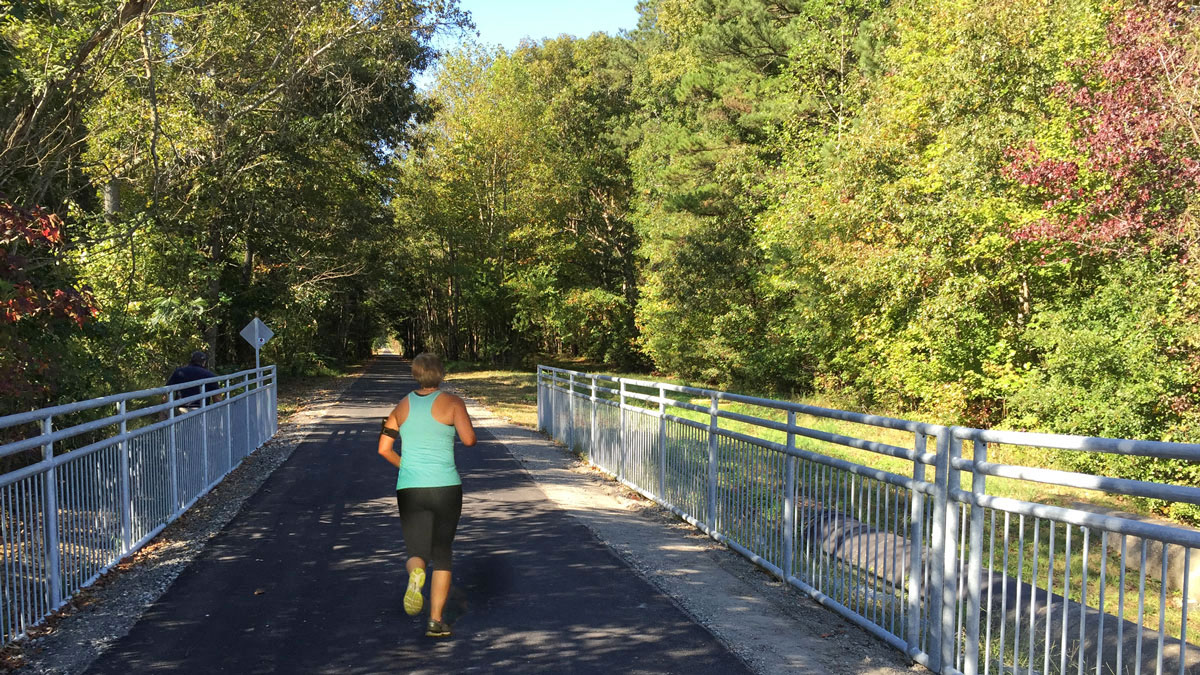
(385, 431)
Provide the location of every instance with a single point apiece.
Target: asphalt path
(309, 576)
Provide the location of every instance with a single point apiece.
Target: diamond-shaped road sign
(257, 333)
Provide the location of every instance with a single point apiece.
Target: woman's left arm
(462, 422)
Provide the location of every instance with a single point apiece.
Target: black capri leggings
(429, 519)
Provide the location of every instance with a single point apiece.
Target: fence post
(662, 444)
(712, 462)
(789, 500)
(553, 401)
(935, 603)
(945, 554)
(594, 450)
(54, 560)
(172, 460)
(126, 496)
(204, 441)
(540, 420)
(250, 445)
(571, 411)
(229, 424)
(975, 566)
(916, 547)
(621, 401)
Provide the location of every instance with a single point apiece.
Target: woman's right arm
(462, 423)
(387, 439)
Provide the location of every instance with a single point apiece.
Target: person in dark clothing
(196, 369)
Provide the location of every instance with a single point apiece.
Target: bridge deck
(310, 575)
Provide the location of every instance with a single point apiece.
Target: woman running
(428, 488)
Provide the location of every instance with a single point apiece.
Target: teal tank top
(426, 447)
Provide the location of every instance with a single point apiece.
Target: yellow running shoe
(413, 600)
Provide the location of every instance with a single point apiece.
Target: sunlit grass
(299, 392)
(509, 394)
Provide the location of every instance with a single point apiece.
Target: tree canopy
(973, 211)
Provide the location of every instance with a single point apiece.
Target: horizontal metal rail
(959, 579)
(86, 488)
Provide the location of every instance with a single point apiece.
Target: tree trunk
(216, 251)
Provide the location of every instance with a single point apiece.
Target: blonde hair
(427, 369)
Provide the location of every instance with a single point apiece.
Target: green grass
(299, 392)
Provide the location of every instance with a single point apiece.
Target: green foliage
(214, 164)
(516, 221)
(830, 196)
(1109, 366)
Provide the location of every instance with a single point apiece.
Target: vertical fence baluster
(1121, 608)
(229, 419)
(126, 496)
(172, 449)
(7, 594)
(54, 559)
(202, 416)
(712, 462)
(975, 564)
(1101, 584)
(941, 647)
(662, 444)
(624, 442)
(1183, 620)
(592, 451)
(1033, 579)
(879, 560)
(916, 545)
(1062, 649)
(1162, 609)
(1141, 613)
(1049, 599)
(571, 411)
(789, 500)
(250, 445)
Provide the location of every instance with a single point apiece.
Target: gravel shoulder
(771, 626)
(71, 639)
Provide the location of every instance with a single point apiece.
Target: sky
(505, 22)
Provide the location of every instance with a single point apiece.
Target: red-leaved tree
(1136, 142)
(39, 305)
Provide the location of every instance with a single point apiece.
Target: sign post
(257, 334)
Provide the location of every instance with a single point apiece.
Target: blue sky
(505, 22)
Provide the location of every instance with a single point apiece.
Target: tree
(40, 307)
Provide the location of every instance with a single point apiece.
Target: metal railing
(94, 481)
(905, 542)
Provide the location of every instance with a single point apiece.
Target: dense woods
(978, 212)
(972, 211)
(203, 163)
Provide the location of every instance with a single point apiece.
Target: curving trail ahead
(309, 576)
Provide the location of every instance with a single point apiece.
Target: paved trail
(310, 575)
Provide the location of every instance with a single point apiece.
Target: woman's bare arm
(387, 441)
(462, 423)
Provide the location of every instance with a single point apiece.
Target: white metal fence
(93, 481)
(907, 542)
